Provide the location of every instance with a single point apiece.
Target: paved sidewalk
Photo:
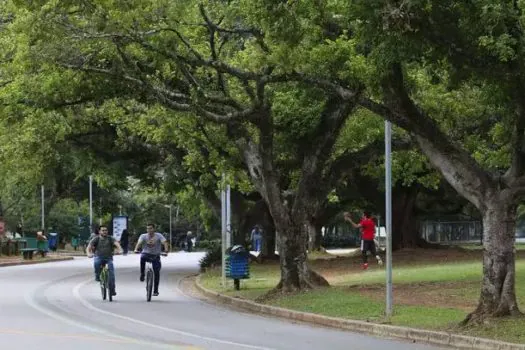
(14, 261)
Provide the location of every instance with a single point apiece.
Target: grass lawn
(432, 290)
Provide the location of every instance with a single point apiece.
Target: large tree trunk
(290, 213)
(314, 236)
(268, 244)
(496, 197)
(404, 226)
(498, 295)
(295, 272)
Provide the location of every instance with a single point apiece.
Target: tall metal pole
(43, 204)
(228, 217)
(223, 233)
(388, 222)
(171, 232)
(90, 204)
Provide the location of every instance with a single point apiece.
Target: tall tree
(103, 52)
(451, 73)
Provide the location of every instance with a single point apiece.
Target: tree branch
(517, 167)
(345, 93)
(333, 117)
(349, 161)
(456, 165)
(213, 49)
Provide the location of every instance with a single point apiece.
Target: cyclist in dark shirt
(103, 247)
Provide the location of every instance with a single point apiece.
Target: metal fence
(460, 231)
(451, 231)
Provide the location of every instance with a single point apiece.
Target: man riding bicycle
(103, 246)
(151, 243)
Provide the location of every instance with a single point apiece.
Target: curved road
(58, 306)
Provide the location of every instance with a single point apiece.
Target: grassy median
(432, 290)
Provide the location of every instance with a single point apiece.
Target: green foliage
(63, 217)
(116, 69)
(212, 258)
(208, 244)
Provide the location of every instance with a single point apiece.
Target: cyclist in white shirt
(151, 244)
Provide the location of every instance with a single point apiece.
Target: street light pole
(90, 204)
(388, 221)
(43, 204)
(228, 217)
(171, 225)
(171, 248)
(223, 232)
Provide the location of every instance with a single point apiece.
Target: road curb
(412, 334)
(34, 262)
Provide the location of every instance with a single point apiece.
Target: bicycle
(150, 277)
(104, 282)
(104, 278)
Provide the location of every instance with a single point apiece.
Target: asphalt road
(58, 306)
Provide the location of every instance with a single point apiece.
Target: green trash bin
(31, 242)
(74, 242)
(43, 247)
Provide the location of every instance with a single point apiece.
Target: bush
(346, 241)
(212, 258)
(207, 245)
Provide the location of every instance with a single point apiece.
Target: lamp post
(171, 232)
(90, 204)
(43, 204)
(388, 221)
(225, 223)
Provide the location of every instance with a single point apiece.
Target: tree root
(480, 317)
(317, 279)
(312, 281)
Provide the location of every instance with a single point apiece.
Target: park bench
(12, 246)
(27, 253)
(34, 246)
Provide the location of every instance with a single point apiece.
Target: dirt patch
(344, 265)
(9, 258)
(457, 295)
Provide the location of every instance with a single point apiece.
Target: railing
(451, 231)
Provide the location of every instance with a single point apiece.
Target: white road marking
(30, 300)
(76, 293)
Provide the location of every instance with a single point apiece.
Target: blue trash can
(53, 241)
(237, 264)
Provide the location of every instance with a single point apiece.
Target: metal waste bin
(53, 241)
(237, 264)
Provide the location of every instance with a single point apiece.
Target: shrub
(346, 241)
(212, 258)
(207, 245)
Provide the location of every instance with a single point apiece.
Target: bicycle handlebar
(162, 254)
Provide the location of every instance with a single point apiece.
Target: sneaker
(155, 294)
(142, 278)
(365, 266)
(114, 293)
(379, 260)
(97, 279)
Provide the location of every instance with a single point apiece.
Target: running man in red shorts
(368, 231)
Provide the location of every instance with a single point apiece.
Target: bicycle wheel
(103, 283)
(110, 292)
(149, 285)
